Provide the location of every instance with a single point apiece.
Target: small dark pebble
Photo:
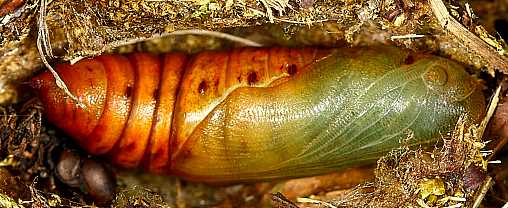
(473, 177)
(68, 169)
(98, 181)
(94, 178)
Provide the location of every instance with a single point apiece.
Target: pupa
(258, 113)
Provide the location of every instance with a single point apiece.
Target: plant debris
(446, 176)
(26, 171)
(452, 175)
(478, 47)
(138, 197)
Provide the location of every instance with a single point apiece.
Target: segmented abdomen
(142, 107)
(251, 114)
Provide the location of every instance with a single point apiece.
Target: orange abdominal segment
(120, 78)
(88, 83)
(131, 147)
(158, 151)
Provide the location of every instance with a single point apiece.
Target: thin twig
(310, 22)
(43, 41)
(282, 201)
(408, 36)
(455, 206)
(490, 112)
(494, 61)
(504, 138)
(44, 47)
(314, 201)
(487, 183)
(210, 33)
(226, 36)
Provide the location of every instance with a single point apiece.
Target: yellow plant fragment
(8, 202)
(489, 39)
(431, 187)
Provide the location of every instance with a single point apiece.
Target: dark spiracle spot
(202, 87)
(252, 78)
(130, 147)
(128, 91)
(292, 69)
(158, 153)
(89, 69)
(409, 59)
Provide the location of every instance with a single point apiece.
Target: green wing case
(351, 108)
